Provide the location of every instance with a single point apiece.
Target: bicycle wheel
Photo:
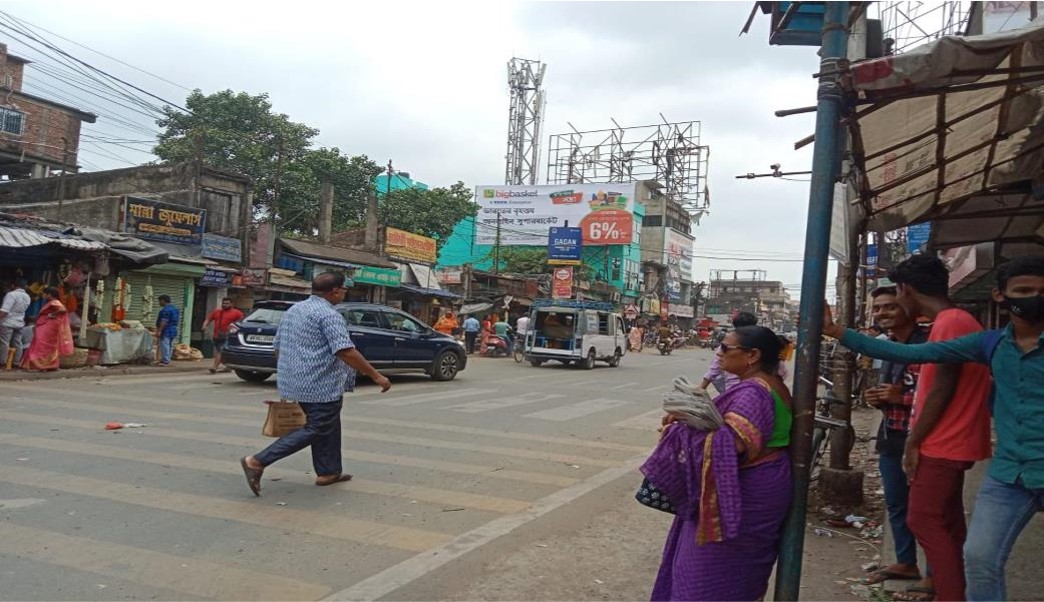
(520, 355)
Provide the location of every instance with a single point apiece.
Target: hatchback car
(392, 340)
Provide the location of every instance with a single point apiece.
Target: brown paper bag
(284, 417)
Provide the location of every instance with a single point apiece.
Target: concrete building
(728, 293)
(667, 247)
(37, 136)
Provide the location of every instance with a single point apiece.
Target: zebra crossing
(163, 512)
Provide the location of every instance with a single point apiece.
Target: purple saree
(731, 506)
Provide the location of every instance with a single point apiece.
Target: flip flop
(326, 481)
(915, 594)
(253, 476)
(882, 575)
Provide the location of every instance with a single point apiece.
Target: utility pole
(275, 191)
(390, 172)
(825, 165)
(326, 201)
(496, 248)
(65, 172)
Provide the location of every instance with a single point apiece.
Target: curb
(117, 370)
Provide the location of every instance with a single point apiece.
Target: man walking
(316, 358)
(950, 428)
(12, 320)
(1013, 490)
(894, 396)
(167, 328)
(471, 331)
(222, 318)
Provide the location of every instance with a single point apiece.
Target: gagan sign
(524, 215)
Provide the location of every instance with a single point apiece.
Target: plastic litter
(822, 533)
(134, 425)
(113, 426)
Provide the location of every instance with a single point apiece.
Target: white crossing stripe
(649, 421)
(408, 400)
(486, 405)
(577, 410)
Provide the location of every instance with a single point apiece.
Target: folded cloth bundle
(692, 405)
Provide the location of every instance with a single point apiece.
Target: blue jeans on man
(166, 345)
(897, 494)
(1001, 512)
(322, 432)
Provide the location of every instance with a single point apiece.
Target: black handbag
(649, 495)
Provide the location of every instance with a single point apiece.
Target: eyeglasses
(726, 348)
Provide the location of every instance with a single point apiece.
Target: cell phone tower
(525, 78)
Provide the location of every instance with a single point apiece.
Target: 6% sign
(608, 227)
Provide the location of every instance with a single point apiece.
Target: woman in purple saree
(731, 492)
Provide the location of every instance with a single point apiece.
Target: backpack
(990, 341)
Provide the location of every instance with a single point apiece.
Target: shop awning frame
(430, 292)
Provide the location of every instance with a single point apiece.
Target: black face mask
(1030, 309)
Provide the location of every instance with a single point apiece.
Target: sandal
(333, 479)
(882, 575)
(253, 476)
(916, 594)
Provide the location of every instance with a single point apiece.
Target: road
(503, 484)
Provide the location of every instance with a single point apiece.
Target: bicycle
(824, 427)
(520, 352)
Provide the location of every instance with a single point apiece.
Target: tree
(524, 260)
(239, 132)
(432, 213)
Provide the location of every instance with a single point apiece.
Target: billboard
(564, 245)
(677, 254)
(524, 215)
(409, 246)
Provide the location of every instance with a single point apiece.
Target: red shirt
(963, 431)
(223, 318)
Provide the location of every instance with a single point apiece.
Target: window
(404, 323)
(369, 318)
(652, 220)
(267, 315)
(12, 121)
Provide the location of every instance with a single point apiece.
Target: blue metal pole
(825, 165)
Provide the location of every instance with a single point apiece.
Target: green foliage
(431, 213)
(524, 260)
(240, 132)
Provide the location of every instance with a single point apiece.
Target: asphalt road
(450, 479)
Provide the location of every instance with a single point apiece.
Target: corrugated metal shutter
(174, 286)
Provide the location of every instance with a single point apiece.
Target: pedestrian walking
(730, 491)
(52, 335)
(12, 321)
(166, 328)
(222, 318)
(472, 327)
(894, 397)
(316, 364)
(1013, 490)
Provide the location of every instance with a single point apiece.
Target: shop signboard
(917, 236)
(254, 277)
(365, 274)
(215, 279)
(562, 282)
(524, 215)
(564, 246)
(156, 220)
(409, 246)
(449, 275)
(683, 311)
(222, 248)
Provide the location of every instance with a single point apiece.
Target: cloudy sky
(425, 85)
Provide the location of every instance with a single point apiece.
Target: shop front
(420, 294)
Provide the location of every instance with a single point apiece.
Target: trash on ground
(134, 425)
(822, 532)
(454, 509)
(113, 426)
(280, 503)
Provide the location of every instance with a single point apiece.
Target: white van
(574, 333)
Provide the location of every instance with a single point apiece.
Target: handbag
(649, 495)
(284, 417)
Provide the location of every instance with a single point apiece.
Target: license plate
(260, 338)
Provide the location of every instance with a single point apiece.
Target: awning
(317, 252)
(950, 129)
(475, 308)
(134, 249)
(25, 237)
(431, 292)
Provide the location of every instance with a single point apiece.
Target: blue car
(392, 340)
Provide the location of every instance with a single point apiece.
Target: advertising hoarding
(677, 254)
(524, 215)
(407, 245)
(562, 282)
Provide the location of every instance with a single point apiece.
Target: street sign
(631, 313)
(564, 246)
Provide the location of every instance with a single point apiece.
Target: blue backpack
(990, 341)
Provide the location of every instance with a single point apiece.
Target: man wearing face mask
(1013, 490)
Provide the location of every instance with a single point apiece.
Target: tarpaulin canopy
(134, 249)
(952, 131)
(14, 237)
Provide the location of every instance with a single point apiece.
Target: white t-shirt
(522, 325)
(15, 304)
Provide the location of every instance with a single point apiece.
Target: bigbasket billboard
(526, 214)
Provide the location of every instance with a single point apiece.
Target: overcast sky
(425, 85)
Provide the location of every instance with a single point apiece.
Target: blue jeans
(897, 495)
(322, 432)
(166, 349)
(1001, 512)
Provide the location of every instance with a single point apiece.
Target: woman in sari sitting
(52, 335)
(730, 490)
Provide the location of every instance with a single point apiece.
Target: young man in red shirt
(222, 318)
(950, 425)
